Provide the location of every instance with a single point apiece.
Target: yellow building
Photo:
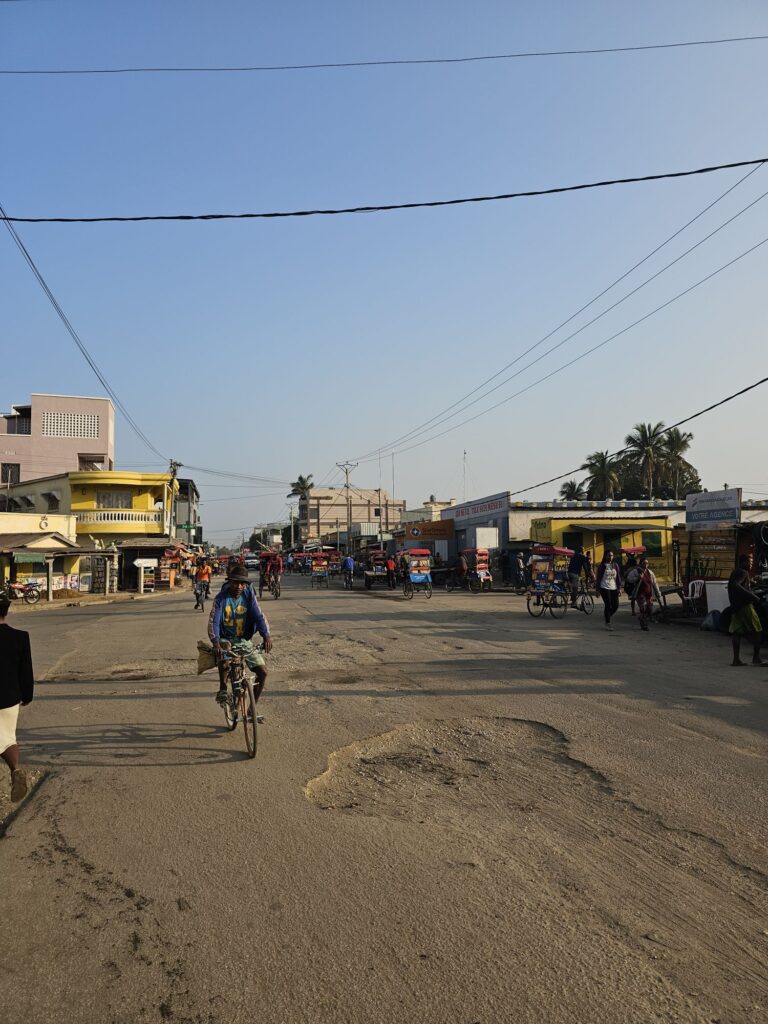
(109, 505)
(611, 533)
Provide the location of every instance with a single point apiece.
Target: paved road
(457, 813)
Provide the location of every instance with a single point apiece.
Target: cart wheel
(408, 590)
(558, 605)
(536, 606)
(428, 589)
(475, 586)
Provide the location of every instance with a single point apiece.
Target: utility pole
(290, 511)
(173, 469)
(347, 467)
(464, 478)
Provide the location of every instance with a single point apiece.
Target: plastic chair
(692, 598)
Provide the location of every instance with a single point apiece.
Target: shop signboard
(713, 510)
(485, 509)
(440, 529)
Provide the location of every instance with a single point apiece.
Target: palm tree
(676, 468)
(301, 488)
(645, 452)
(602, 479)
(572, 490)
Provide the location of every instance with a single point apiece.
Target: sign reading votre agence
(713, 510)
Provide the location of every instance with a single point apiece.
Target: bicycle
(240, 705)
(274, 586)
(201, 592)
(584, 602)
(453, 581)
(347, 579)
(554, 599)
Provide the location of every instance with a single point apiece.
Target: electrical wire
(666, 430)
(436, 421)
(388, 206)
(77, 339)
(387, 63)
(422, 426)
(588, 352)
(236, 476)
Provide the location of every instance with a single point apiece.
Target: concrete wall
(34, 522)
(60, 427)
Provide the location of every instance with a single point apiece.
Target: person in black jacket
(16, 688)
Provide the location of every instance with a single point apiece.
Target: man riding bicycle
(348, 569)
(270, 571)
(236, 617)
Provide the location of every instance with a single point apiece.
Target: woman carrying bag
(646, 589)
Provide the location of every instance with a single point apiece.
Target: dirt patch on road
(147, 668)
(510, 790)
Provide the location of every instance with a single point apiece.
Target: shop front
(650, 536)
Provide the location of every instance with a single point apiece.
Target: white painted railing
(120, 516)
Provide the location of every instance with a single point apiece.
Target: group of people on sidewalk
(636, 579)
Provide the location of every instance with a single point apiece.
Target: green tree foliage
(653, 466)
(572, 490)
(301, 488)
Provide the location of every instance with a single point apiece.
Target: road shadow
(131, 746)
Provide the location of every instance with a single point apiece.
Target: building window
(90, 463)
(10, 472)
(651, 541)
(114, 499)
(53, 501)
(70, 424)
(573, 540)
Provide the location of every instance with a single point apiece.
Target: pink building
(56, 434)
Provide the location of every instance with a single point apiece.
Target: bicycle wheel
(428, 590)
(276, 591)
(408, 590)
(248, 713)
(32, 596)
(558, 605)
(230, 713)
(536, 606)
(587, 603)
(450, 583)
(475, 586)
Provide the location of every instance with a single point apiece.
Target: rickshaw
(375, 568)
(334, 563)
(549, 581)
(417, 571)
(479, 568)
(319, 568)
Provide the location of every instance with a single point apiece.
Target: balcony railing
(120, 516)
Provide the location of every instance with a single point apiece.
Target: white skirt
(8, 719)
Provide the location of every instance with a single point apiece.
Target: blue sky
(281, 347)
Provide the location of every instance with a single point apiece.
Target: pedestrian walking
(645, 590)
(16, 689)
(609, 586)
(631, 577)
(744, 618)
(391, 567)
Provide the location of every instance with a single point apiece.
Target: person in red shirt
(391, 567)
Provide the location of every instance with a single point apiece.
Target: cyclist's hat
(238, 574)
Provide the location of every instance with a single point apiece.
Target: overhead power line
(382, 208)
(520, 55)
(666, 430)
(77, 339)
(463, 404)
(583, 355)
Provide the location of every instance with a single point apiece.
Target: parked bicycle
(240, 705)
(455, 582)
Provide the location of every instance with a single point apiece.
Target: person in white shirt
(609, 586)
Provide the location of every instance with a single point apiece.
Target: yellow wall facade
(611, 534)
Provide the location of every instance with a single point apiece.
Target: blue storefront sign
(713, 510)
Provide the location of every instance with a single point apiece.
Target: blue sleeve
(214, 620)
(259, 618)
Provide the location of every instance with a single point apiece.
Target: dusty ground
(457, 813)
